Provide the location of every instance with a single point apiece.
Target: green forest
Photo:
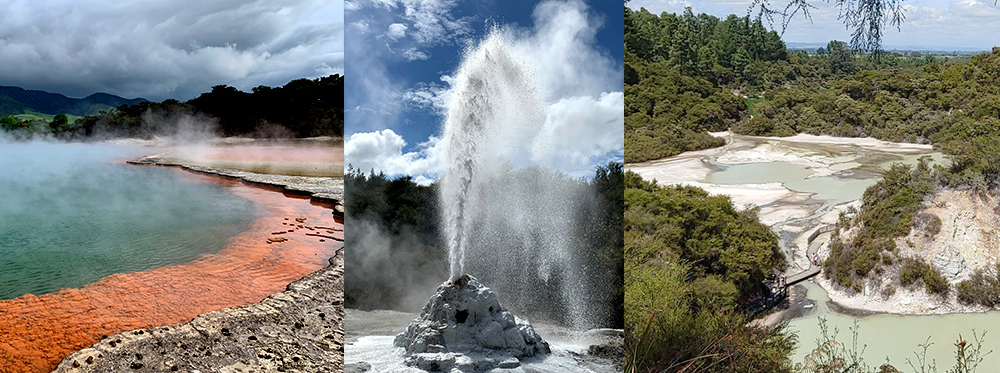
(300, 108)
(692, 262)
(399, 248)
(687, 75)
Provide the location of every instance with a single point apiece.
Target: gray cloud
(167, 49)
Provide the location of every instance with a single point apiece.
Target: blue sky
(401, 55)
(929, 24)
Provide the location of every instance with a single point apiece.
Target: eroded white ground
(795, 214)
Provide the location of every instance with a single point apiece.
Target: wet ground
(370, 335)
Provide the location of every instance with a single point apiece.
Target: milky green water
(897, 337)
(68, 216)
(833, 190)
(881, 336)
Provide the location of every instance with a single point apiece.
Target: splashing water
(513, 229)
(494, 94)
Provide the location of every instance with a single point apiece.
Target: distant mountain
(17, 100)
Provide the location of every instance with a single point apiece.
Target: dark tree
(59, 123)
(8, 123)
(301, 108)
(841, 57)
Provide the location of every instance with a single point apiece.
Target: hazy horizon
(933, 25)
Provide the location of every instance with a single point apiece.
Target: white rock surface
(950, 262)
(463, 328)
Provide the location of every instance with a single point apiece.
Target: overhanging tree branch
(867, 19)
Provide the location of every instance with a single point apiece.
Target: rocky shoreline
(298, 330)
(321, 190)
(966, 240)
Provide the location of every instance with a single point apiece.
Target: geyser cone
(464, 324)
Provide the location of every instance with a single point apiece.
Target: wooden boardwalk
(813, 269)
(778, 293)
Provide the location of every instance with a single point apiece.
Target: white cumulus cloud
(413, 54)
(581, 131)
(396, 31)
(579, 83)
(383, 151)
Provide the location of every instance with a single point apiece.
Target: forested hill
(17, 101)
(680, 73)
(300, 108)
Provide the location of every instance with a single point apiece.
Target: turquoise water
(68, 216)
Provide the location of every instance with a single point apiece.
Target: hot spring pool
(73, 213)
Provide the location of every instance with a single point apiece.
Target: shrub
(914, 270)
(982, 288)
(693, 262)
(887, 213)
(930, 224)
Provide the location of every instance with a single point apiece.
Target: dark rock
(357, 367)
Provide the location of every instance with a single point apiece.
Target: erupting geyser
(494, 102)
(463, 327)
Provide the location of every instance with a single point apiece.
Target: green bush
(982, 288)
(886, 213)
(692, 262)
(917, 270)
(930, 224)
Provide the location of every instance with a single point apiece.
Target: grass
(45, 117)
(750, 104)
(34, 115)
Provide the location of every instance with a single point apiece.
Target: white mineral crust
(463, 328)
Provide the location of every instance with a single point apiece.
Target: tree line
(399, 255)
(300, 108)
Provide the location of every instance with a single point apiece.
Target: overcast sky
(167, 48)
(403, 54)
(929, 24)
